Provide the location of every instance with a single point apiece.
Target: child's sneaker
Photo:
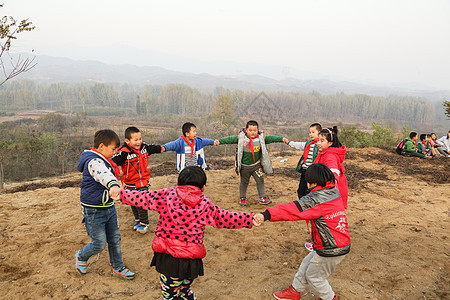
(243, 201)
(264, 200)
(80, 265)
(136, 225)
(309, 246)
(287, 294)
(142, 228)
(123, 272)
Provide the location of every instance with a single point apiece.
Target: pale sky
(376, 41)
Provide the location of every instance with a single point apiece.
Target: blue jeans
(102, 226)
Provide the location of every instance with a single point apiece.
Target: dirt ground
(398, 220)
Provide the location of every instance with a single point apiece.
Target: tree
(446, 105)
(9, 29)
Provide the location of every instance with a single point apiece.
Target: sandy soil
(398, 219)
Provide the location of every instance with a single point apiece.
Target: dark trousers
(302, 187)
(138, 212)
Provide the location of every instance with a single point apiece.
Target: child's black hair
(423, 136)
(130, 130)
(317, 125)
(251, 123)
(192, 175)
(320, 174)
(106, 137)
(412, 134)
(330, 135)
(186, 128)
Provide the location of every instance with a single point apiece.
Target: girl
(332, 154)
(184, 211)
(329, 232)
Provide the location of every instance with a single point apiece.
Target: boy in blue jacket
(98, 186)
(189, 148)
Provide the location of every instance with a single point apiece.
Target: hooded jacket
(98, 178)
(323, 206)
(184, 211)
(134, 163)
(333, 158)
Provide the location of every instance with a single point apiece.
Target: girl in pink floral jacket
(184, 211)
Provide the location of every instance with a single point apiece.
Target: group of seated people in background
(426, 145)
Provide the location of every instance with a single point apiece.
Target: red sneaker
(264, 200)
(243, 201)
(287, 294)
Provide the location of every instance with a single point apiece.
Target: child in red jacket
(184, 211)
(332, 154)
(132, 157)
(329, 232)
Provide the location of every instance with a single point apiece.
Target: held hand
(114, 192)
(258, 219)
(286, 141)
(163, 149)
(216, 143)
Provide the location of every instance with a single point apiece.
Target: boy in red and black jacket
(133, 159)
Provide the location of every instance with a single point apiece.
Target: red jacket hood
(339, 152)
(189, 195)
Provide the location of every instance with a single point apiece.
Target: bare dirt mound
(398, 219)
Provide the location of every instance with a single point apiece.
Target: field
(398, 220)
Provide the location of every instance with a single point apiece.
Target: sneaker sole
(264, 203)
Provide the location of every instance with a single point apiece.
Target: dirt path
(398, 219)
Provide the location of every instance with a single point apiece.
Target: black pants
(138, 212)
(302, 187)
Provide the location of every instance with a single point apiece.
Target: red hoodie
(333, 158)
(184, 211)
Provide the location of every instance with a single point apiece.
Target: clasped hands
(258, 219)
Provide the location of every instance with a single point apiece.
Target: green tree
(9, 29)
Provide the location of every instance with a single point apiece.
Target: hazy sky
(367, 40)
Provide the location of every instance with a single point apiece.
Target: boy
(189, 148)
(410, 146)
(133, 159)
(309, 155)
(98, 186)
(323, 206)
(423, 147)
(252, 158)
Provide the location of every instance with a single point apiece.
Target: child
(184, 212)
(445, 144)
(252, 158)
(98, 185)
(309, 155)
(133, 159)
(332, 154)
(423, 146)
(189, 148)
(331, 239)
(437, 145)
(410, 146)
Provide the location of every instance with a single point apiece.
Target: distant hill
(57, 69)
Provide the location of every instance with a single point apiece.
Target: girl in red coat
(184, 211)
(332, 154)
(329, 232)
